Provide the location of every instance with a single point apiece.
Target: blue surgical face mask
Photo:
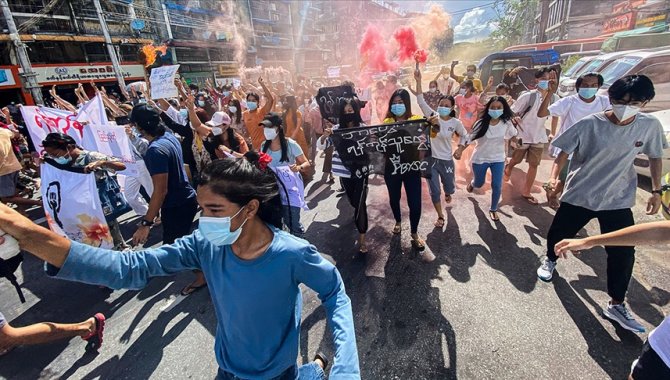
(201, 103)
(217, 230)
(543, 84)
(587, 93)
(232, 109)
(252, 105)
(183, 112)
(495, 114)
(63, 160)
(398, 109)
(226, 93)
(444, 111)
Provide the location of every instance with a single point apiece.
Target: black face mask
(347, 118)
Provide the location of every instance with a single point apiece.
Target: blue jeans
(497, 169)
(291, 216)
(309, 371)
(441, 171)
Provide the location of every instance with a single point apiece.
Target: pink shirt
(469, 109)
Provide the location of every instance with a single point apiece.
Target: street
(476, 312)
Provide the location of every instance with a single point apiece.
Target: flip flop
(447, 198)
(531, 199)
(439, 223)
(494, 216)
(396, 229)
(190, 289)
(418, 244)
(95, 339)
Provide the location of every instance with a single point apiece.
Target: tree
(514, 17)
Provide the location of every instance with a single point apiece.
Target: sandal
(447, 198)
(396, 229)
(470, 188)
(554, 203)
(95, 338)
(439, 223)
(530, 199)
(190, 289)
(418, 244)
(494, 216)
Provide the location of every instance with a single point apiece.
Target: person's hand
(295, 168)
(93, 166)
(141, 235)
(551, 137)
(453, 64)
(458, 153)
(260, 80)
(653, 204)
(490, 82)
(434, 120)
(563, 247)
(327, 132)
(190, 103)
(553, 82)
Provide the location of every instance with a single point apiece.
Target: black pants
(412, 182)
(357, 192)
(177, 221)
(570, 219)
(650, 366)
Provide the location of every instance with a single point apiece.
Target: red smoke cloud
(406, 40)
(373, 50)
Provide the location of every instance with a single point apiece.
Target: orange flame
(148, 53)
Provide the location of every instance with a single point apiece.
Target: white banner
(41, 121)
(162, 82)
(113, 141)
(93, 112)
(72, 207)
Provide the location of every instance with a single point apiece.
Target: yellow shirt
(8, 161)
(475, 81)
(390, 120)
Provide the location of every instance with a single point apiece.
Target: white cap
(219, 118)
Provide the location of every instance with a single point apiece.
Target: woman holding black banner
(354, 176)
(490, 133)
(399, 110)
(63, 150)
(441, 135)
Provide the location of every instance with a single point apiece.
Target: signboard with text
(53, 74)
(619, 23)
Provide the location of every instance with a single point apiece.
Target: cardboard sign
(329, 100)
(393, 149)
(162, 82)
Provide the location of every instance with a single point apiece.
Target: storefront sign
(625, 21)
(7, 78)
(627, 6)
(651, 21)
(84, 73)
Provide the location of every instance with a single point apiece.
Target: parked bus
(569, 46)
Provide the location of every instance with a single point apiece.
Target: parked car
(575, 67)
(654, 63)
(641, 163)
(596, 64)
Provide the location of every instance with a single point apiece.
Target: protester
(285, 152)
(293, 122)
(654, 360)
(90, 330)
(441, 136)
(250, 264)
(490, 133)
(468, 105)
(221, 139)
(570, 110)
(602, 182)
(532, 131)
(10, 167)
(64, 151)
(469, 75)
(433, 96)
(253, 115)
(234, 110)
(400, 109)
(445, 83)
(173, 195)
(355, 184)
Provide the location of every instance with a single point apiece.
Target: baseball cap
(219, 118)
(144, 114)
(272, 119)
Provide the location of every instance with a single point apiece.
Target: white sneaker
(427, 256)
(620, 313)
(546, 271)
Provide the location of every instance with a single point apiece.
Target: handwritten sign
(294, 187)
(162, 82)
(393, 149)
(41, 121)
(329, 100)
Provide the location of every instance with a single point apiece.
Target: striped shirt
(339, 170)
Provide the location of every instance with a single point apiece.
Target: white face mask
(270, 133)
(216, 131)
(232, 109)
(624, 112)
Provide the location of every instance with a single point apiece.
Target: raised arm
(489, 84)
(543, 111)
(269, 98)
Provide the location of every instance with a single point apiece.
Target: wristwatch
(146, 223)
(659, 192)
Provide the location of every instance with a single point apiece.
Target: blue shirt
(258, 302)
(164, 156)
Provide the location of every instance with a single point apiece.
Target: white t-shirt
(440, 145)
(572, 109)
(443, 85)
(491, 146)
(659, 340)
(532, 130)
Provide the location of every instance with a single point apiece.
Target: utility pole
(30, 77)
(110, 47)
(168, 27)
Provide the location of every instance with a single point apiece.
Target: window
(575, 67)
(568, 48)
(618, 68)
(658, 73)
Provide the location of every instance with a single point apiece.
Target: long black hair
(233, 141)
(276, 121)
(404, 95)
(241, 180)
(290, 110)
(451, 100)
(482, 125)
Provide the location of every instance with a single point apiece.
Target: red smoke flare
(421, 56)
(406, 40)
(373, 51)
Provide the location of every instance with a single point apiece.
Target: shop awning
(66, 38)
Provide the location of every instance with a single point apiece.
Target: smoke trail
(431, 26)
(373, 51)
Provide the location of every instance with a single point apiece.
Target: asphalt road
(476, 312)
